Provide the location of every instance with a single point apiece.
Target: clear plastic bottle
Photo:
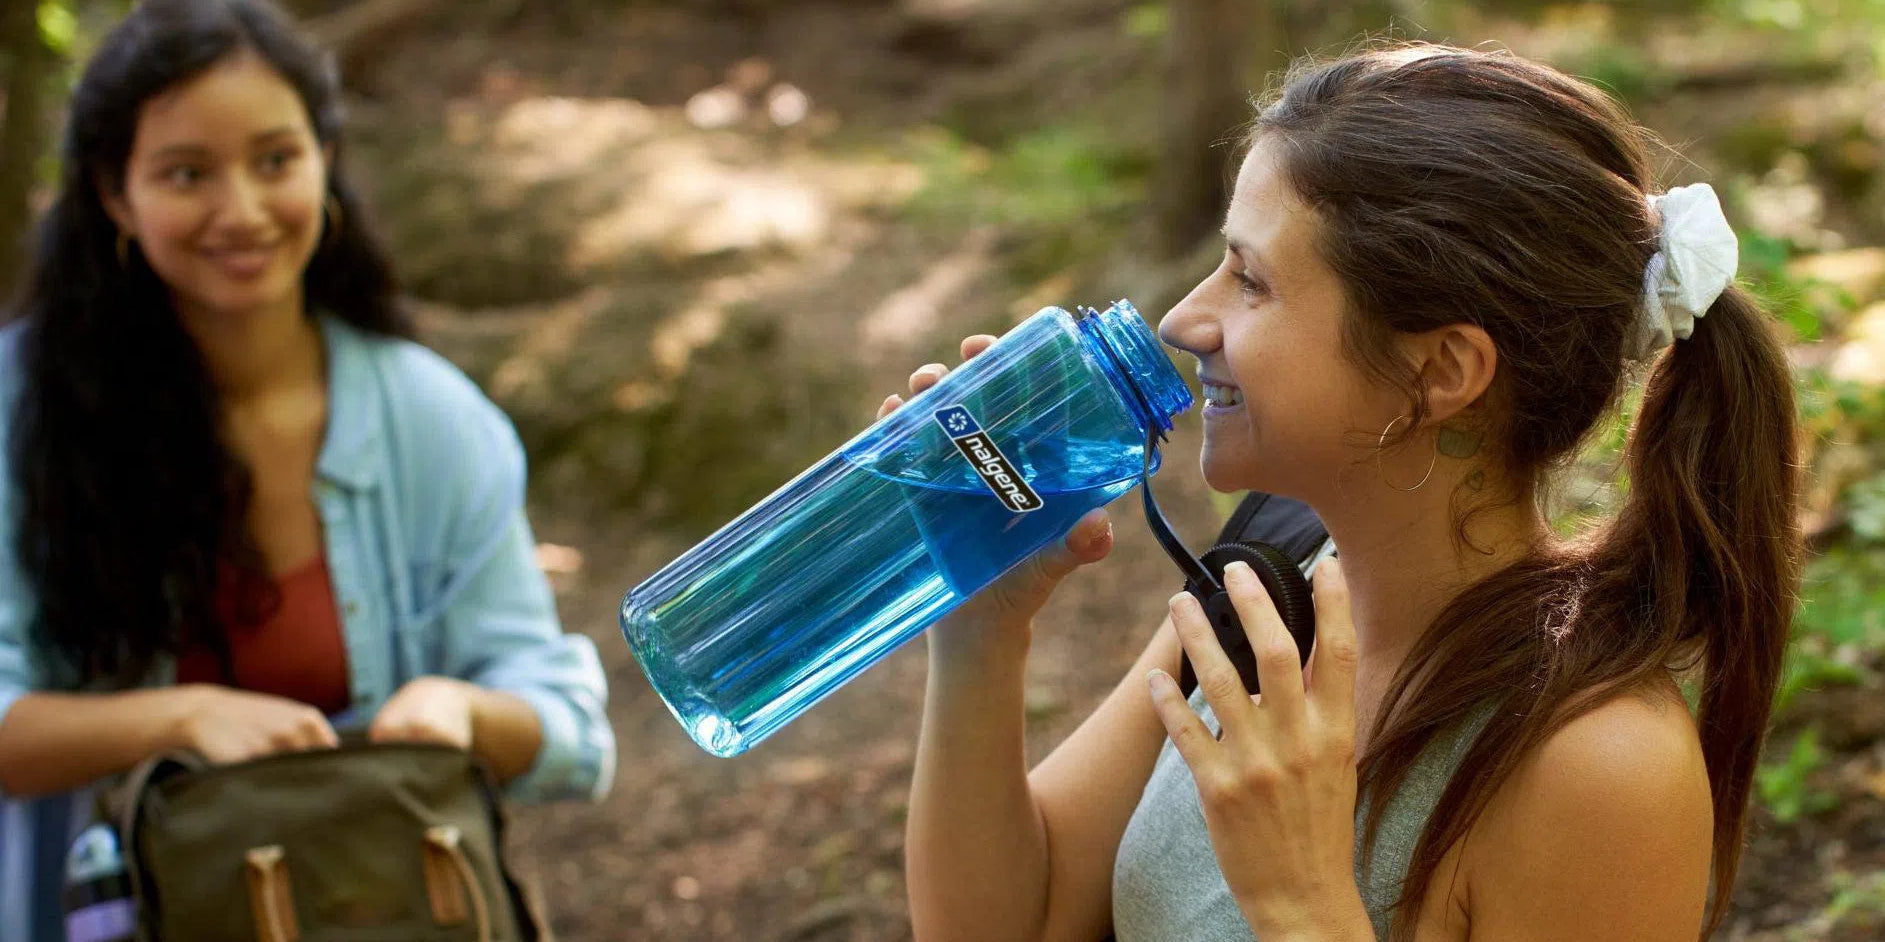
(99, 905)
(871, 545)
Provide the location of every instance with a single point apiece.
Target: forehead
(228, 103)
(1267, 215)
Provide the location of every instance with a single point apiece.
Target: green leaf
(1784, 787)
(57, 26)
(1148, 21)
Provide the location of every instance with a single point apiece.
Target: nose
(243, 206)
(1190, 326)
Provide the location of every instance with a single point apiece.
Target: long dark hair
(131, 503)
(1455, 185)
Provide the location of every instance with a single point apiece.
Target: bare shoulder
(1606, 831)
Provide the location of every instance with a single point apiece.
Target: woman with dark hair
(241, 508)
(1440, 267)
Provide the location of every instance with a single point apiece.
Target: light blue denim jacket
(420, 490)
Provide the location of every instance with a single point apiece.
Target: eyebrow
(1250, 256)
(198, 150)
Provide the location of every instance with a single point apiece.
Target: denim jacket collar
(352, 441)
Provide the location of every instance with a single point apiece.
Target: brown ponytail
(1456, 185)
(1705, 554)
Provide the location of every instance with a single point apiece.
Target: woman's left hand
(427, 710)
(1278, 788)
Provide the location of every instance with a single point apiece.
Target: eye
(1252, 289)
(276, 161)
(184, 176)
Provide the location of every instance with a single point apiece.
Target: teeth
(1223, 395)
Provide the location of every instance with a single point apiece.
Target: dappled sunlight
(673, 183)
(912, 315)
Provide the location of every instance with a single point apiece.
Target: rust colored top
(298, 652)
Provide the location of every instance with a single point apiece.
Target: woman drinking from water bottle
(1441, 269)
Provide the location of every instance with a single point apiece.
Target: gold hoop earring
(332, 206)
(1381, 445)
(124, 250)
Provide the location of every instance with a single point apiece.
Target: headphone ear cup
(1288, 590)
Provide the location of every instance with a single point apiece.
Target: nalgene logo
(987, 460)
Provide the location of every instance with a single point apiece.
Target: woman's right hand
(226, 725)
(999, 616)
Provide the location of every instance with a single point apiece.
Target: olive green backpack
(364, 843)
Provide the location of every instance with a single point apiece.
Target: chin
(1224, 473)
(245, 300)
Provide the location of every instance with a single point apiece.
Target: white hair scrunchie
(1694, 263)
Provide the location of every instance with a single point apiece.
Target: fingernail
(1180, 599)
(1158, 681)
(1241, 568)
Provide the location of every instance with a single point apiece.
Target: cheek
(298, 212)
(167, 230)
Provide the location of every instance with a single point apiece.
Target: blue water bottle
(874, 543)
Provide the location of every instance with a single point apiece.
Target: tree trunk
(28, 68)
(1207, 93)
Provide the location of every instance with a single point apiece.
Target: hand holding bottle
(1002, 614)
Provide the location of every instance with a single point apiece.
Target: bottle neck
(1136, 363)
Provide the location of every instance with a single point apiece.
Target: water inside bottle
(915, 544)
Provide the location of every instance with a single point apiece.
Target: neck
(1405, 560)
(254, 353)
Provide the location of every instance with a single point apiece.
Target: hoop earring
(124, 250)
(1381, 445)
(332, 208)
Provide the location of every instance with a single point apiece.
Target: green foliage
(58, 27)
(1147, 21)
(1806, 305)
(1059, 175)
(1809, 667)
(1856, 899)
(1056, 192)
(1843, 597)
(1622, 70)
(1786, 788)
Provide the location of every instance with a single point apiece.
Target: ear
(1456, 366)
(116, 206)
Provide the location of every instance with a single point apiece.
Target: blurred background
(689, 245)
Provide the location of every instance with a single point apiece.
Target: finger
(1279, 661)
(385, 725)
(1088, 542)
(1029, 585)
(927, 375)
(890, 404)
(1189, 735)
(400, 731)
(973, 345)
(324, 735)
(1336, 654)
(1217, 677)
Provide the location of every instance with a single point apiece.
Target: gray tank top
(1166, 884)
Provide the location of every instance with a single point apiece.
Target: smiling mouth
(1222, 397)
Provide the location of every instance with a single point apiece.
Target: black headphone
(1204, 579)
